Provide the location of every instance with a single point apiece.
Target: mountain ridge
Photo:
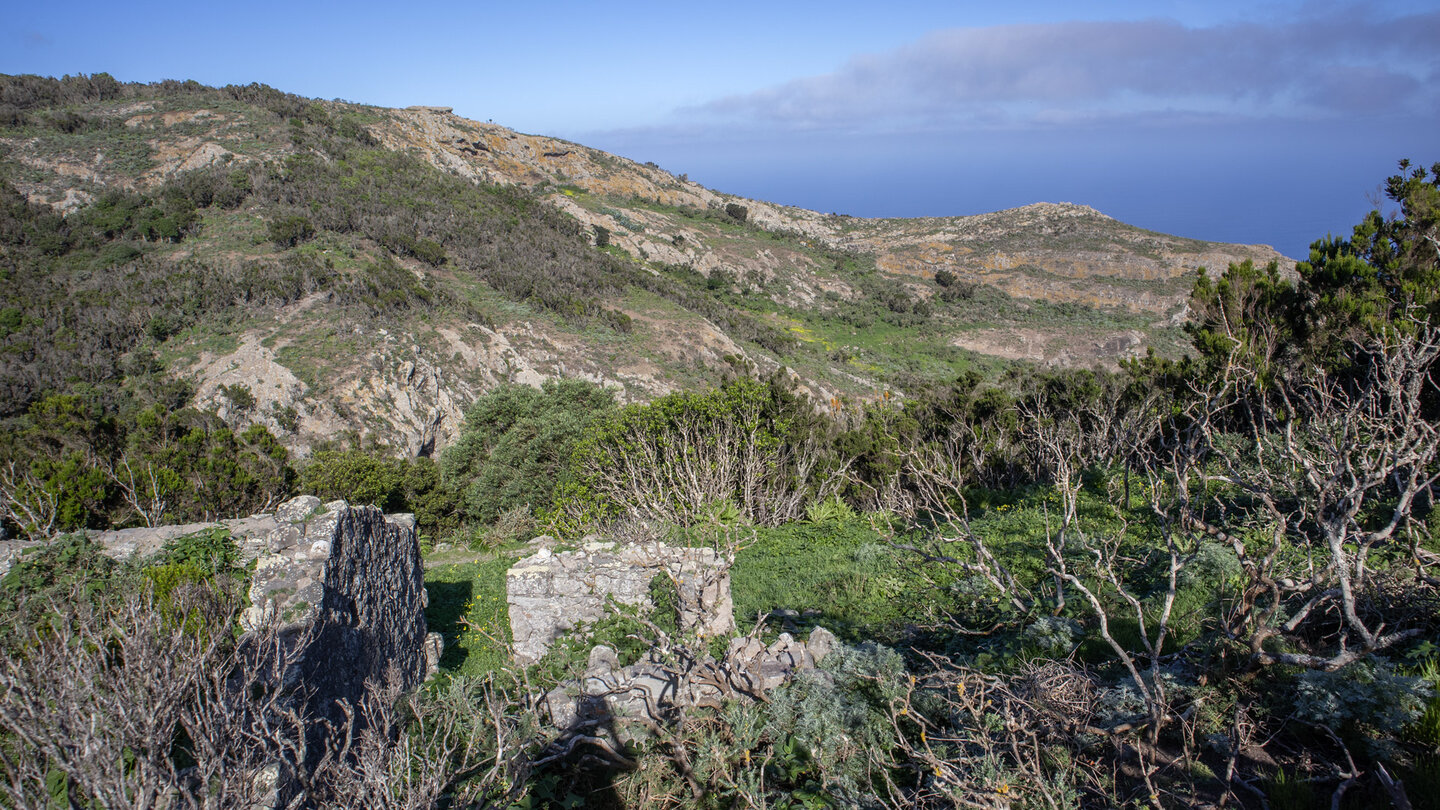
(684, 284)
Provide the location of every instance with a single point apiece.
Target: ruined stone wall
(347, 584)
(344, 586)
(549, 594)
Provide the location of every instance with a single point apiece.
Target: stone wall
(348, 576)
(347, 583)
(345, 587)
(549, 593)
(621, 700)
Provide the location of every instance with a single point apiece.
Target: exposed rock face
(550, 593)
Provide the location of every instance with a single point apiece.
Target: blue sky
(1267, 122)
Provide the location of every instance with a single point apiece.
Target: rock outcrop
(550, 594)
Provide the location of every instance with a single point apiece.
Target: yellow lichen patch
(904, 265)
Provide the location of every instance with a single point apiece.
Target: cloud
(1334, 66)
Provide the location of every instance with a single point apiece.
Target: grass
(854, 584)
(224, 232)
(311, 354)
(467, 607)
(185, 348)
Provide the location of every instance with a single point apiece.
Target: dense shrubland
(1199, 582)
(83, 290)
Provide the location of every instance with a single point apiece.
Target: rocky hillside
(326, 268)
(1045, 251)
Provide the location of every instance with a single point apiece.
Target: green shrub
(1367, 697)
(832, 510)
(364, 477)
(752, 443)
(842, 723)
(290, 231)
(67, 561)
(239, 396)
(214, 551)
(355, 476)
(212, 472)
(1426, 728)
(516, 441)
(93, 461)
(68, 569)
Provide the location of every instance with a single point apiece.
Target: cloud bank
(1096, 73)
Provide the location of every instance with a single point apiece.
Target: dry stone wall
(350, 581)
(630, 701)
(550, 594)
(348, 576)
(342, 584)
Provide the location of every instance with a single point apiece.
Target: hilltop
(325, 268)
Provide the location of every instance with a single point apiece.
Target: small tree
(748, 444)
(355, 476)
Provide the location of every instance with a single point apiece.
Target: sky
(1263, 121)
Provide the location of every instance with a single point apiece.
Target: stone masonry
(550, 594)
(344, 586)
